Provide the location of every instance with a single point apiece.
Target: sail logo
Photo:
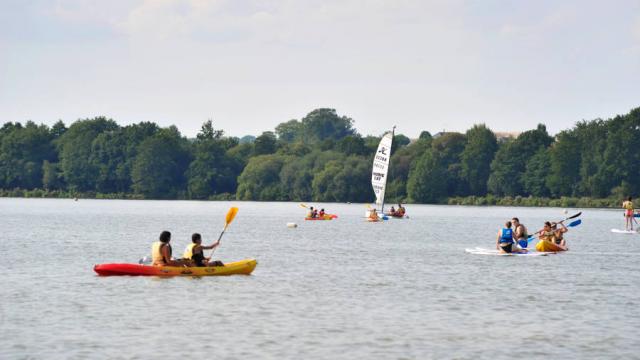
(383, 151)
(378, 176)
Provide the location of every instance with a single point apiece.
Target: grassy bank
(566, 202)
(489, 200)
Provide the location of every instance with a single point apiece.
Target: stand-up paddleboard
(618, 231)
(481, 251)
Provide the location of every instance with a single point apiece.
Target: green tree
(265, 144)
(509, 164)
(290, 131)
(321, 124)
(428, 180)
(536, 172)
(75, 145)
(22, 153)
(212, 171)
(565, 159)
(260, 179)
(159, 168)
(51, 176)
(476, 158)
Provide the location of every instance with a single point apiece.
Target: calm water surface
(403, 289)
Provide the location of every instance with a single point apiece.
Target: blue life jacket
(507, 236)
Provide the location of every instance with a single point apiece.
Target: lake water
(402, 289)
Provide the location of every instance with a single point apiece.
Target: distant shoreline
(489, 200)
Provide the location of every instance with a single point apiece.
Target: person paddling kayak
(161, 252)
(628, 213)
(194, 252)
(312, 213)
(558, 234)
(373, 215)
(547, 233)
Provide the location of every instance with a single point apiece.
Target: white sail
(381, 167)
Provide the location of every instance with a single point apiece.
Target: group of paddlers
(513, 237)
(314, 213)
(161, 252)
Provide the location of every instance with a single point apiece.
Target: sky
(250, 65)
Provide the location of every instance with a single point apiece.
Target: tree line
(320, 157)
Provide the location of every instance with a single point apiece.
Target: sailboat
(379, 172)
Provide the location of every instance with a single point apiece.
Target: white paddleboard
(481, 251)
(618, 231)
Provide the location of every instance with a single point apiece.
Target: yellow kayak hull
(547, 246)
(242, 267)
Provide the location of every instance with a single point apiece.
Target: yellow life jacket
(188, 252)
(156, 253)
(548, 236)
(628, 205)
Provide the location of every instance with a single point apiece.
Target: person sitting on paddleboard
(504, 241)
(520, 233)
(558, 236)
(195, 253)
(628, 213)
(161, 252)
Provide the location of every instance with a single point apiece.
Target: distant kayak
(325, 217)
(395, 216)
(481, 251)
(243, 267)
(618, 231)
(547, 246)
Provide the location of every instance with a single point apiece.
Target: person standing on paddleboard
(520, 233)
(628, 214)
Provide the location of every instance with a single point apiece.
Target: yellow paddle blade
(230, 216)
(369, 206)
(303, 205)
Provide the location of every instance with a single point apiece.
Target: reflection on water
(326, 289)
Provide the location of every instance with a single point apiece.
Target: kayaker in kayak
(401, 211)
(373, 215)
(520, 233)
(547, 233)
(194, 252)
(504, 241)
(558, 234)
(311, 214)
(628, 213)
(321, 214)
(161, 252)
(392, 212)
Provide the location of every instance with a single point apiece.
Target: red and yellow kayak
(325, 217)
(548, 246)
(242, 267)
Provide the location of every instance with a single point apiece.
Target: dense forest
(321, 158)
